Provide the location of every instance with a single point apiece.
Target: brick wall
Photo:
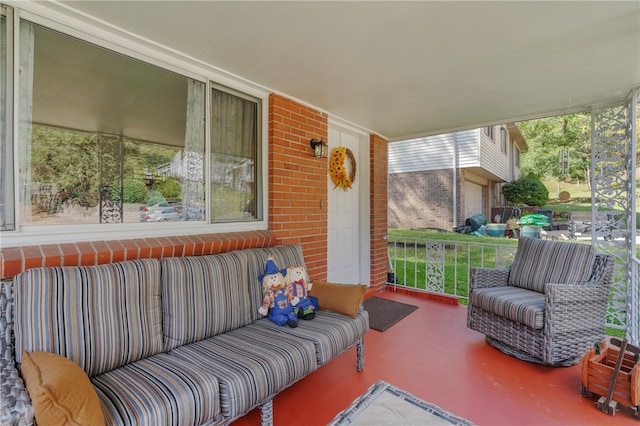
(298, 181)
(422, 200)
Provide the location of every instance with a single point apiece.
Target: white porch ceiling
(405, 69)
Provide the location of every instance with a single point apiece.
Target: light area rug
(384, 404)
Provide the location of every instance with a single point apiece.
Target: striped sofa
(173, 341)
(548, 307)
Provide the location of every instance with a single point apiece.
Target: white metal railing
(441, 266)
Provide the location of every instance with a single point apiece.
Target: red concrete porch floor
(432, 354)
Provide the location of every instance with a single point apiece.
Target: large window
(104, 138)
(234, 153)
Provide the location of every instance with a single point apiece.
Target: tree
(67, 159)
(559, 147)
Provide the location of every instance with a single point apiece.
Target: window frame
(9, 188)
(127, 44)
(504, 141)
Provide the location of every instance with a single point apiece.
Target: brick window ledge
(14, 260)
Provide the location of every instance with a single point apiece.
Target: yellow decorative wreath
(337, 170)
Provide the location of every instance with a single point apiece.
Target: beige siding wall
(492, 158)
(434, 152)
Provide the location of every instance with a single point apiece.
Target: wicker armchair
(548, 307)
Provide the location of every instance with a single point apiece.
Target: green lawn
(418, 262)
(579, 200)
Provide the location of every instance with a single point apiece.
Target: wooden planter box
(597, 372)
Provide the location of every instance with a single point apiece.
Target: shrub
(169, 188)
(133, 190)
(527, 190)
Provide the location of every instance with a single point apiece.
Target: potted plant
(514, 227)
(532, 224)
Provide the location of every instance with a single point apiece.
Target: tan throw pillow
(341, 298)
(60, 390)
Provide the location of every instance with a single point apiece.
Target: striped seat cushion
(160, 390)
(331, 333)
(538, 262)
(251, 364)
(101, 317)
(285, 256)
(203, 296)
(517, 304)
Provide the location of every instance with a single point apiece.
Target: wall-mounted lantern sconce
(319, 147)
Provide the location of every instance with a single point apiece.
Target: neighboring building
(439, 181)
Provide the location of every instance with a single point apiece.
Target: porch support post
(613, 204)
(633, 305)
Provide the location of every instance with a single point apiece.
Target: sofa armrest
(488, 277)
(15, 405)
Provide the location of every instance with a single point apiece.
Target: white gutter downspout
(455, 180)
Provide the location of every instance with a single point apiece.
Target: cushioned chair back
(204, 296)
(101, 317)
(285, 256)
(538, 262)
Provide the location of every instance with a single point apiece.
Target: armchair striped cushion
(539, 262)
(517, 304)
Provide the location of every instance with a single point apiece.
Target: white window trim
(155, 54)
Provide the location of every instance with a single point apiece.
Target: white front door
(344, 234)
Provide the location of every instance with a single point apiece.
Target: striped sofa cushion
(251, 364)
(101, 317)
(285, 256)
(203, 296)
(331, 333)
(517, 304)
(538, 262)
(160, 390)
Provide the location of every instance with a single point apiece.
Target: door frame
(364, 202)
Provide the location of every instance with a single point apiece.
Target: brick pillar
(378, 200)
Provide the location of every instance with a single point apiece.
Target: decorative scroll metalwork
(505, 256)
(434, 266)
(611, 200)
(193, 189)
(110, 186)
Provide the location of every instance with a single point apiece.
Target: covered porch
(433, 355)
(425, 68)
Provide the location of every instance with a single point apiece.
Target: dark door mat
(384, 313)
